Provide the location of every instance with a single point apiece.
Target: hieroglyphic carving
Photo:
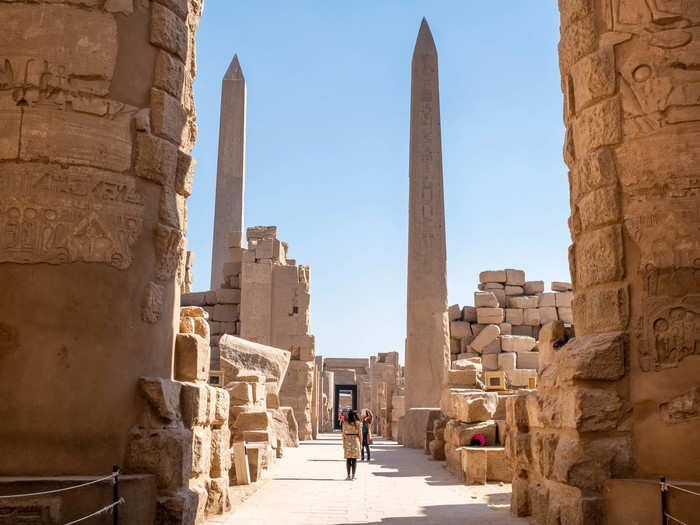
(152, 302)
(169, 247)
(56, 215)
(682, 408)
(671, 332)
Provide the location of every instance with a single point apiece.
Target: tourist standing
(351, 430)
(366, 432)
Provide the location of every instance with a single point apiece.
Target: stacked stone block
(503, 325)
(184, 437)
(466, 411)
(265, 299)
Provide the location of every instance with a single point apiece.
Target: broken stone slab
(513, 290)
(498, 465)
(515, 277)
(517, 343)
(533, 287)
(248, 358)
(493, 347)
(598, 357)
(485, 300)
(486, 336)
(468, 363)
(492, 276)
(487, 315)
(559, 286)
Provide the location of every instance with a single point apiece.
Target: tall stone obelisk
(427, 330)
(230, 171)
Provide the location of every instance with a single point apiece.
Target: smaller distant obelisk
(230, 171)
(427, 327)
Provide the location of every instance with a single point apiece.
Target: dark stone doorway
(343, 393)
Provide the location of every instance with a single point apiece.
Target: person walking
(366, 432)
(352, 428)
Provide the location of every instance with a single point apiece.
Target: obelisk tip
(234, 71)
(425, 42)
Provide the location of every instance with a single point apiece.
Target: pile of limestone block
(503, 325)
(466, 411)
(260, 427)
(183, 437)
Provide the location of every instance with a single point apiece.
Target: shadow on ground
(442, 515)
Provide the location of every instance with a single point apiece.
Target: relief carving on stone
(56, 215)
(682, 408)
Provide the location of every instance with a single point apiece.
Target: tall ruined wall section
(96, 129)
(621, 400)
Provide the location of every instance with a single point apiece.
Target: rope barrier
(684, 490)
(97, 513)
(665, 514)
(59, 490)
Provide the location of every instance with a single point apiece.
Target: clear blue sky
(327, 147)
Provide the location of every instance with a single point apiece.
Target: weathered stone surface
(490, 315)
(163, 395)
(437, 449)
(492, 276)
(415, 424)
(517, 343)
(485, 300)
(253, 420)
(528, 360)
(485, 337)
(533, 287)
(166, 453)
(191, 358)
(253, 358)
(427, 339)
(283, 426)
(474, 464)
(194, 399)
(475, 407)
(515, 277)
(593, 357)
(460, 434)
(466, 377)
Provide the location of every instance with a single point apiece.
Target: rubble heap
(502, 326)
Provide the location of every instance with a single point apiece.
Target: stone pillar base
(414, 424)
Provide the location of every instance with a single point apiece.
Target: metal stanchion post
(662, 481)
(115, 494)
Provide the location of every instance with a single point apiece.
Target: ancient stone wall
(620, 400)
(265, 299)
(96, 129)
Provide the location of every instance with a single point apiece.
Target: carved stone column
(96, 130)
(621, 400)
